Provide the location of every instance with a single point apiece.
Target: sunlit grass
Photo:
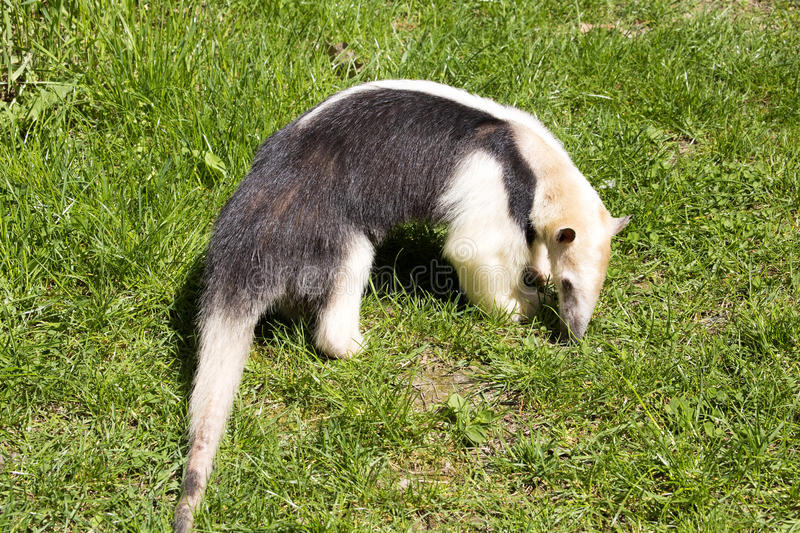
(125, 127)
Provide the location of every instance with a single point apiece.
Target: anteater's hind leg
(337, 330)
(225, 340)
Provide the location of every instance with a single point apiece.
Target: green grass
(125, 126)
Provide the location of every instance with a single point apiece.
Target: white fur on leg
(484, 243)
(224, 347)
(337, 331)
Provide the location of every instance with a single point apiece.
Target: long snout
(573, 330)
(575, 310)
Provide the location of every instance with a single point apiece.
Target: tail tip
(184, 520)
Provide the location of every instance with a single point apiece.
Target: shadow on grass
(183, 321)
(410, 261)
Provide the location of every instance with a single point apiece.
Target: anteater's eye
(530, 234)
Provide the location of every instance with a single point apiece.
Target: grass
(125, 126)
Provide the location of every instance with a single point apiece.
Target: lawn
(125, 126)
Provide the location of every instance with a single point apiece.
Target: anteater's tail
(225, 341)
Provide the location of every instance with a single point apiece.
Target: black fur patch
(530, 233)
(567, 293)
(192, 483)
(361, 165)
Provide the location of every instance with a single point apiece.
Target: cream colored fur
(484, 243)
(565, 199)
(337, 332)
(224, 347)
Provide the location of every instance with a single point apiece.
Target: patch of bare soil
(636, 30)
(685, 144)
(434, 382)
(759, 7)
(716, 320)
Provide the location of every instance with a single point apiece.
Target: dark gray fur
(364, 164)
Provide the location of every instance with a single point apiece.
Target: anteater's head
(572, 230)
(578, 249)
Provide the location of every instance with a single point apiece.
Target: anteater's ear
(620, 223)
(565, 235)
